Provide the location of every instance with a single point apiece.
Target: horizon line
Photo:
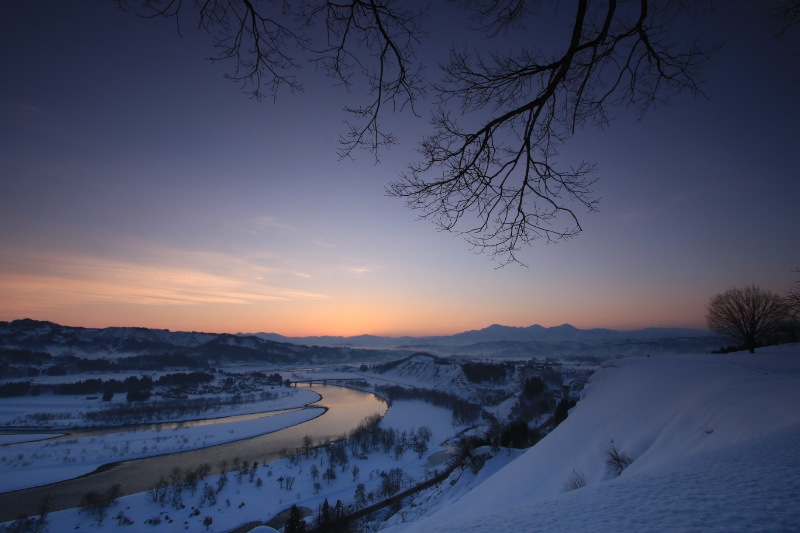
(384, 335)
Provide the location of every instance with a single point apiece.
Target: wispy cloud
(47, 280)
(360, 269)
(323, 244)
(269, 222)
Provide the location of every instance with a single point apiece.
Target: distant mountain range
(494, 341)
(28, 335)
(536, 340)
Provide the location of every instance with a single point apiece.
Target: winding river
(345, 409)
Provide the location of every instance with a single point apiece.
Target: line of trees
(112, 386)
(72, 364)
(16, 363)
(123, 413)
(478, 372)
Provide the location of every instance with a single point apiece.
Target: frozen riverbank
(38, 463)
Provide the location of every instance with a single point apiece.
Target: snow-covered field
(712, 442)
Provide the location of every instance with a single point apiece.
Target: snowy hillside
(712, 443)
(426, 371)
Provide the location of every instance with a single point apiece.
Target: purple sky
(141, 188)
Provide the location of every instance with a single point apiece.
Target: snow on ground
(261, 496)
(407, 415)
(749, 486)
(25, 437)
(460, 482)
(67, 411)
(712, 439)
(38, 463)
(503, 410)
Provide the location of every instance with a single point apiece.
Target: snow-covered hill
(427, 372)
(712, 440)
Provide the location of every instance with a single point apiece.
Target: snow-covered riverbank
(38, 463)
(273, 487)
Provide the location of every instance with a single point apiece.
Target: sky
(142, 188)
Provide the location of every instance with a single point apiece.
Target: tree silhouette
(490, 169)
(745, 315)
(324, 518)
(295, 523)
(793, 298)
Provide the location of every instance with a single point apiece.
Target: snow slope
(713, 439)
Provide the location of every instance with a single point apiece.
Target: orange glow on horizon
(203, 320)
(96, 293)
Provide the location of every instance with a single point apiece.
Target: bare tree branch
(376, 40)
(268, 42)
(502, 179)
(785, 15)
(498, 180)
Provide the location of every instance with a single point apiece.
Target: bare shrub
(123, 520)
(96, 504)
(159, 491)
(616, 460)
(575, 480)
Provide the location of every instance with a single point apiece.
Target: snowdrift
(713, 443)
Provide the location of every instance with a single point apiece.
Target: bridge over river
(324, 381)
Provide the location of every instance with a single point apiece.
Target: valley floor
(663, 443)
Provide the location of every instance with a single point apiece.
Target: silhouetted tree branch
(376, 41)
(502, 179)
(498, 179)
(267, 43)
(786, 15)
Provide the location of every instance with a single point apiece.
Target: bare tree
(745, 315)
(793, 298)
(490, 169)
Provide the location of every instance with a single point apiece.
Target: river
(346, 408)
